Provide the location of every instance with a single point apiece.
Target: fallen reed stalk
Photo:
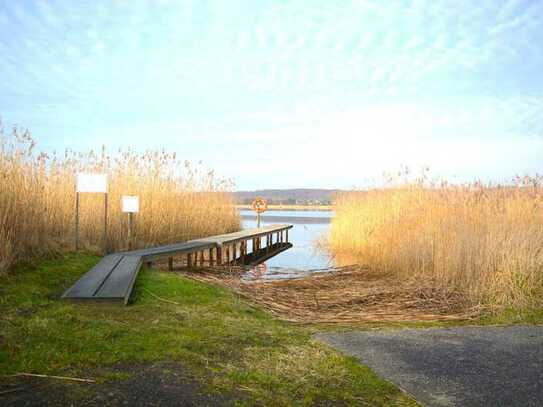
(345, 295)
(43, 376)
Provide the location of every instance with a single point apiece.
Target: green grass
(228, 344)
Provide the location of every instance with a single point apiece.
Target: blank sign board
(130, 204)
(87, 182)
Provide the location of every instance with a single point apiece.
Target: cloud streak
(449, 74)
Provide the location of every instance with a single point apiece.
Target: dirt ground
(159, 384)
(344, 295)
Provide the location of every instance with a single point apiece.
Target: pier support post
(170, 263)
(211, 256)
(219, 256)
(202, 258)
(286, 232)
(189, 260)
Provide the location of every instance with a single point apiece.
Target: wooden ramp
(112, 279)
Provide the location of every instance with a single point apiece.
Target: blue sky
(284, 94)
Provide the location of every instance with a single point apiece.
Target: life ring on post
(259, 205)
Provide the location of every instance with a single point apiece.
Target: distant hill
(300, 196)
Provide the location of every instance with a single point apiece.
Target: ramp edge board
(93, 279)
(121, 280)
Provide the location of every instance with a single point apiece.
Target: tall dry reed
(37, 200)
(484, 242)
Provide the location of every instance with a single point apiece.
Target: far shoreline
(292, 207)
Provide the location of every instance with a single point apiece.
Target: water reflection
(303, 258)
(294, 217)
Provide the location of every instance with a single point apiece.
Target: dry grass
(345, 295)
(484, 243)
(37, 200)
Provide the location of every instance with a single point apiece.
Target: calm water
(304, 258)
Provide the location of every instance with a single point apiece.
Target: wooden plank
(131, 285)
(120, 281)
(91, 282)
(244, 234)
(191, 246)
(219, 256)
(178, 248)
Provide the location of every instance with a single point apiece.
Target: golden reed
(37, 200)
(481, 241)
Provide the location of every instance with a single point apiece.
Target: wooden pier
(112, 279)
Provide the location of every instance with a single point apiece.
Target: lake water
(304, 257)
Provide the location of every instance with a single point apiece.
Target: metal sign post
(259, 205)
(91, 183)
(130, 205)
(104, 237)
(76, 219)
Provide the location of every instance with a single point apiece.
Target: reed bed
(482, 242)
(343, 295)
(178, 201)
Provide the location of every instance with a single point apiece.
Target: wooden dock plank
(91, 281)
(178, 248)
(244, 234)
(119, 283)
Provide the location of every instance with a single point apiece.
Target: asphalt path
(464, 366)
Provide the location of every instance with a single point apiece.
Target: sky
(284, 94)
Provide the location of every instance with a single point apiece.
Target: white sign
(130, 204)
(91, 182)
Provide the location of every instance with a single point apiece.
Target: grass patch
(230, 345)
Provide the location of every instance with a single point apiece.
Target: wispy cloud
(430, 74)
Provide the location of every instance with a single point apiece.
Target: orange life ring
(259, 205)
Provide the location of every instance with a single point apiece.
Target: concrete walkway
(465, 366)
